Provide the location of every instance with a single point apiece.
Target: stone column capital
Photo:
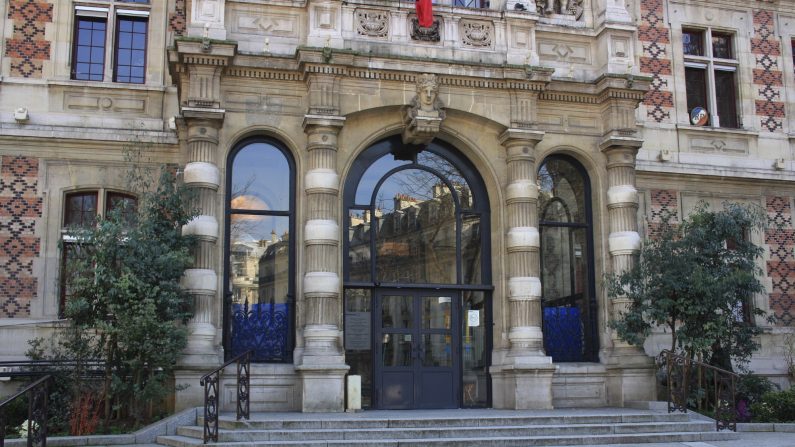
(323, 123)
(514, 137)
(620, 150)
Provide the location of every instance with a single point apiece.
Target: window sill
(90, 84)
(718, 130)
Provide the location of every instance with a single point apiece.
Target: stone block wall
(28, 49)
(20, 209)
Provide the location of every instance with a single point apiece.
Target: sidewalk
(747, 439)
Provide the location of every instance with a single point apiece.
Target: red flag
(424, 12)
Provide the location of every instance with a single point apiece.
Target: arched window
(568, 296)
(259, 274)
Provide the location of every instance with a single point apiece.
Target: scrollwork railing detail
(37, 393)
(211, 383)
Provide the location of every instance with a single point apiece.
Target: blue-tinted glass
(138, 57)
(139, 41)
(83, 54)
(98, 38)
(83, 37)
(124, 71)
(137, 72)
(97, 53)
(125, 40)
(139, 27)
(81, 70)
(96, 69)
(124, 57)
(260, 179)
(125, 25)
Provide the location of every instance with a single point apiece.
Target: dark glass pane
(416, 238)
(725, 98)
(436, 312)
(437, 351)
(450, 173)
(81, 209)
(396, 349)
(693, 42)
(475, 365)
(397, 311)
(359, 245)
(358, 346)
(722, 46)
(89, 51)
(471, 249)
(125, 204)
(696, 85)
(562, 192)
(260, 179)
(259, 276)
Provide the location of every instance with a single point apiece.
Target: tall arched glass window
(568, 295)
(259, 279)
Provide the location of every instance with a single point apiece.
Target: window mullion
(713, 100)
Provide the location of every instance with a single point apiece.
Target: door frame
(416, 332)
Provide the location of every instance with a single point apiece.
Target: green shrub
(775, 406)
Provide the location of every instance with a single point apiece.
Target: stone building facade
(430, 208)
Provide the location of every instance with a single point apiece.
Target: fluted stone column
(322, 366)
(526, 375)
(630, 373)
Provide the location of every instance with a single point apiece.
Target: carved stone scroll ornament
(423, 117)
(477, 34)
(565, 7)
(429, 34)
(372, 23)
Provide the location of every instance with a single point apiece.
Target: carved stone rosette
(477, 34)
(372, 23)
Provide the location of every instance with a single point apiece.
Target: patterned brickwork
(664, 205)
(780, 240)
(767, 73)
(655, 61)
(27, 49)
(176, 19)
(20, 207)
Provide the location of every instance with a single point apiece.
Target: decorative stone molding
(573, 8)
(429, 34)
(477, 34)
(372, 23)
(423, 117)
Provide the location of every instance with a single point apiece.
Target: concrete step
(446, 432)
(264, 422)
(504, 441)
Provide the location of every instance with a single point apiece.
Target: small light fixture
(21, 115)
(665, 155)
(779, 164)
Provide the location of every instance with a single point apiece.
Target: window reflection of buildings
(261, 270)
(416, 240)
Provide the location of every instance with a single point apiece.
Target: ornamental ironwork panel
(264, 329)
(563, 334)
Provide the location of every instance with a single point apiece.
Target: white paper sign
(473, 318)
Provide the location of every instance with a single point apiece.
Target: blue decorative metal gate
(263, 328)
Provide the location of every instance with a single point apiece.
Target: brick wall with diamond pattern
(656, 61)
(20, 208)
(766, 48)
(28, 49)
(780, 240)
(177, 20)
(664, 205)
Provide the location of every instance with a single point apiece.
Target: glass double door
(417, 358)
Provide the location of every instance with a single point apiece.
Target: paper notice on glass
(357, 331)
(473, 318)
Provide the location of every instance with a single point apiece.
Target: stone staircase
(449, 428)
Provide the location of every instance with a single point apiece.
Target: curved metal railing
(704, 387)
(37, 412)
(210, 382)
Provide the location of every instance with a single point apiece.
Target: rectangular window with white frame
(710, 77)
(111, 34)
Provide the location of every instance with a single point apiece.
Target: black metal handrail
(723, 396)
(210, 383)
(38, 368)
(37, 412)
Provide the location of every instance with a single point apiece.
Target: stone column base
(322, 388)
(522, 387)
(189, 393)
(631, 376)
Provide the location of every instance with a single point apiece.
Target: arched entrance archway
(567, 268)
(417, 277)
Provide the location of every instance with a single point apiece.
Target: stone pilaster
(322, 365)
(630, 370)
(525, 377)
